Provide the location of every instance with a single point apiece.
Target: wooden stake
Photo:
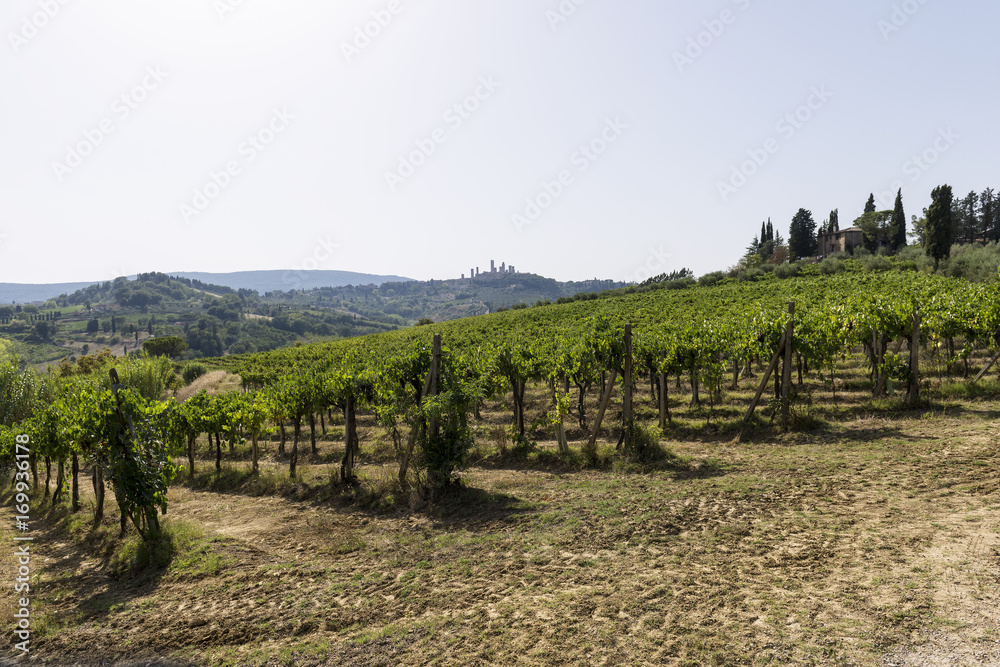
(592, 442)
(627, 381)
(914, 389)
(663, 401)
(786, 375)
(986, 370)
(767, 376)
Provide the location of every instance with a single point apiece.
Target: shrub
(877, 263)
(193, 371)
(974, 262)
(831, 265)
(783, 271)
(711, 278)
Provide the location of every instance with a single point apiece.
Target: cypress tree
(763, 232)
(802, 235)
(834, 220)
(898, 225)
(870, 206)
(939, 232)
(770, 230)
(988, 215)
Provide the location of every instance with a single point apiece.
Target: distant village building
(843, 240)
(504, 270)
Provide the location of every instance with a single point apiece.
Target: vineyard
(592, 381)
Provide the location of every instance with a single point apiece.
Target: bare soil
(871, 541)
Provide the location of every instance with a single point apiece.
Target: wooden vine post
(350, 440)
(987, 368)
(605, 399)
(435, 377)
(627, 389)
(786, 370)
(913, 397)
(783, 349)
(664, 413)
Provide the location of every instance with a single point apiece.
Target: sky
(575, 139)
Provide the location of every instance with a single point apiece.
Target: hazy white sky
(575, 139)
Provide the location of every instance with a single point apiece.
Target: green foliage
(975, 263)
(135, 458)
(19, 392)
(170, 346)
(192, 371)
(898, 225)
(831, 265)
(877, 229)
(783, 271)
(939, 229)
(150, 377)
(442, 453)
(802, 235)
(712, 278)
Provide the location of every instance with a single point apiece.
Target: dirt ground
(871, 541)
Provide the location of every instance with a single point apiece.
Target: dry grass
(871, 538)
(214, 383)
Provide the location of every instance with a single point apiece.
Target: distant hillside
(284, 281)
(441, 300)
(27, 293)
(261, 281)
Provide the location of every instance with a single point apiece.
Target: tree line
(975, 219)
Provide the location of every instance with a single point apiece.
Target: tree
(834, 225)
(802, 235)
(770, 230)
(988, 209)
(939, 231)
(870, 206)
(170, 346)
(763, 232)
(877, 229)
(965, 220)
(897, 228)
(919, 226)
